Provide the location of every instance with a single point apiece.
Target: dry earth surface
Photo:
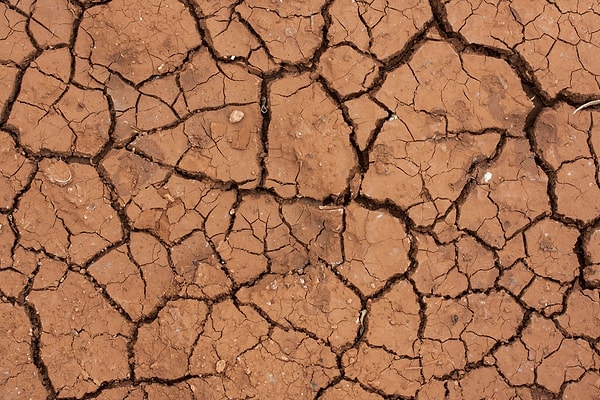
(277, 199)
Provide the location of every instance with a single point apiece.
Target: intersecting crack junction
(299, 199)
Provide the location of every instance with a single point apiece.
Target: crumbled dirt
(299, 199)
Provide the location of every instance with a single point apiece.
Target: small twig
(586, 105)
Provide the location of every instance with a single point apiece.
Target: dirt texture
(316, 199)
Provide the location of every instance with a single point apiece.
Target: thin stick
(586, 105)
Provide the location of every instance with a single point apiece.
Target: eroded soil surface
(277, 199)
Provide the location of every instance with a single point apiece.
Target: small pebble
(59, 173)
(236, 116)
(220, 367)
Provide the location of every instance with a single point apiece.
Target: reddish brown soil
(278, 199)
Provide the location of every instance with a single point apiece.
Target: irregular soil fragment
(15, 171)
(122, 43)
(309, 150)
(376, 248)
(316, 301)
(379, 369)
(66, 212)
(371, 25)
(137, 276)
(291, 31)
(51, 115)
(19, 375)
(346, 70)
(89, 346)
(211, 143)
(563, 141)
(164, 346)
(394, 320)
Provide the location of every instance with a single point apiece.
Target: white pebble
(487, 176)
(220, 367)
(236, 116)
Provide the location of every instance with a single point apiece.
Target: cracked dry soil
(333, 199)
